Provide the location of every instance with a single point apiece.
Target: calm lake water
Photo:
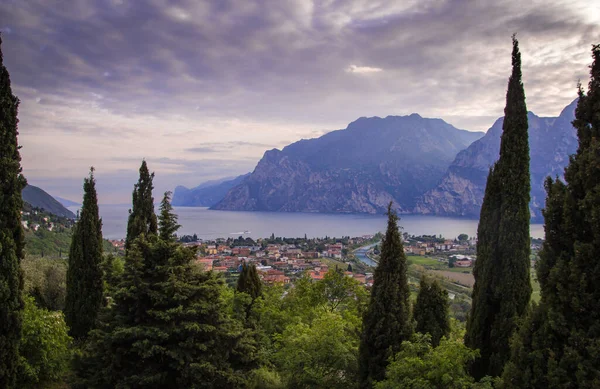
(223, 224)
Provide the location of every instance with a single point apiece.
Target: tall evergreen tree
(168, 326)
(142, 219)
(431, 311)
(559, 345)
(249, 283)
(502, 287)
(387, 321)
(11, 231)
(167, 222)
(84, 275)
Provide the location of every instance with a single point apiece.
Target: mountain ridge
(206, 194)
(358, 169)
(460, 191)
(39, 198)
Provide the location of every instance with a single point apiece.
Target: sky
(201, 89)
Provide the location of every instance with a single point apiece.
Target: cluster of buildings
(276, 263)
(36, 223)
(424, 248)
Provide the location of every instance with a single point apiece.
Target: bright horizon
(202, 90)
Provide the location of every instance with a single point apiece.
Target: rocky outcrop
(460, 191)
(359, 169)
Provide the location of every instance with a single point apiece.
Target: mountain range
(206, 194)
(460, 191)
(421, 165)
(359, 169)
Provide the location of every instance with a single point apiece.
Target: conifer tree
(386, 323)
(168, 326)
(431, 311)
(249, 283)
(167, 221)
(559, 344)
(11, 231)
(142, 219)
(84, 275)
(502, 287)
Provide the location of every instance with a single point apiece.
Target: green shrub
(45, 346)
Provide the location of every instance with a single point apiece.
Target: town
(282, 260)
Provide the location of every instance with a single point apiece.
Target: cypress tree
(142, 219)
(249, 283)
(386, 323)
(502, 287)
(84, 275)
(11, 231)
(559, 344)
(431, 311)
(168, 326)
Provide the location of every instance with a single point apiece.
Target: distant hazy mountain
(359, 169)
(206, 194)
(66, 202)
(460, 191)
(39, 198)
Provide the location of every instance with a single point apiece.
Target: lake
(210, 224)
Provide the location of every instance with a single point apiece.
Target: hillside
(206, 194)
(359, 169)
(460, 191)
(38, 198)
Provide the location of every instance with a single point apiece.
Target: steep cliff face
(460, 191)
(359, 169)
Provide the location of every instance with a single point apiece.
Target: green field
(425, 261)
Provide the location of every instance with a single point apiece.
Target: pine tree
(502, 287)
(11, 231)
(431, 311)
(387, 321)
(84, 275)
(168, 220)
(142, 219)
(559, 344)
(168, 326)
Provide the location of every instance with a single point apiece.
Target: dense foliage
(84, 275)
(142, 219)
(45, 347)
(310, 334)
(431, 310)
(168, 326)
(420, 366)
(387, 321)
(45, 279)
(11, 231)
(559, 344)
(502, 287)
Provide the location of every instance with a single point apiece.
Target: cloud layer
(201, 89)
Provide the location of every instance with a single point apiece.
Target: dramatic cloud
(202, 89)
